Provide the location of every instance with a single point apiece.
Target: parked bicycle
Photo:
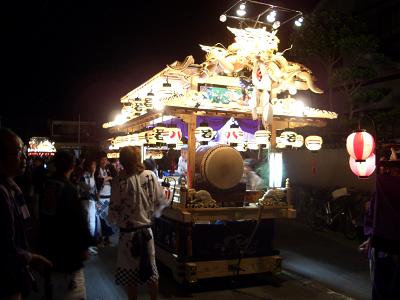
(334, 211)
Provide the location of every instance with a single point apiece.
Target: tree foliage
(341, 44)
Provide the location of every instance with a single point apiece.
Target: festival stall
(241, 98)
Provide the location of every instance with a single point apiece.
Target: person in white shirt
(136, 198)
(103, 178)
(182, 162)
(253, 181)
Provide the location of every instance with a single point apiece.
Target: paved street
(327, 257)
(317, 265)
(100, 286)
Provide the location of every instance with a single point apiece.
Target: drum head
(222, 167)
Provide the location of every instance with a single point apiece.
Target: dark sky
(65, 58)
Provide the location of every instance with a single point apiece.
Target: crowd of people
(52, 217)
(76, 207)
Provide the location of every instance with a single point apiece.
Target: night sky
(65, 58)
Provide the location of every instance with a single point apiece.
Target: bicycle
(333, 213)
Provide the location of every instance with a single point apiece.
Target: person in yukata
(136, 198)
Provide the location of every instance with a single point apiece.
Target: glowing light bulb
(222, 18)
(271, 18)
(242, 6)
(241, 12)
(299, 22)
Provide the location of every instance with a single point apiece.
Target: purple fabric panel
(387, 207)
(180, 124)
(215, 123)
(249, 126)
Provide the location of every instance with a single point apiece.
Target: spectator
(253, 181)
(65, 236)
(103, 177)
(89, 197)
(136, 197)
(15, 276)
(150, 164)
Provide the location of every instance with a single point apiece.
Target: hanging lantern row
(153, 137)
(360, 146)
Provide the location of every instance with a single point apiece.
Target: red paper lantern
(360, 145)
(363, 169)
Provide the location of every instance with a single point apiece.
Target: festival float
(241, 98)
(41, 147)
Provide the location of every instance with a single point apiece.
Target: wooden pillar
(191, 122)
(273, 135)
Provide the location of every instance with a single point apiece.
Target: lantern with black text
(142, 137)
(160, 133)
(138, 106)
(364, 168)
(234, 135)
(204, 133)
(262, 138)
(151, 140)
(288, 138)
(148, 101)
(299, 141)
(360, 145)
(313, 143)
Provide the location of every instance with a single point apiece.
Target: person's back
(64, 231)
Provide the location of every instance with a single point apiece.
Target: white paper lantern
(252, 145)
(234, 135)
(288, 138)
(313, 143)
(363, 169)
(138, 106)
(204, 133)
(148, 101)
(160, 133)
(151, 140)
(299, 141)
(360, 145)
(172, 135)
(262, 138)
(142, 137)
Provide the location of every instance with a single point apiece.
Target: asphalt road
(317, 265)
(323, 256)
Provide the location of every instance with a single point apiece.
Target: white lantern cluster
(289, 139)
(125, 140)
